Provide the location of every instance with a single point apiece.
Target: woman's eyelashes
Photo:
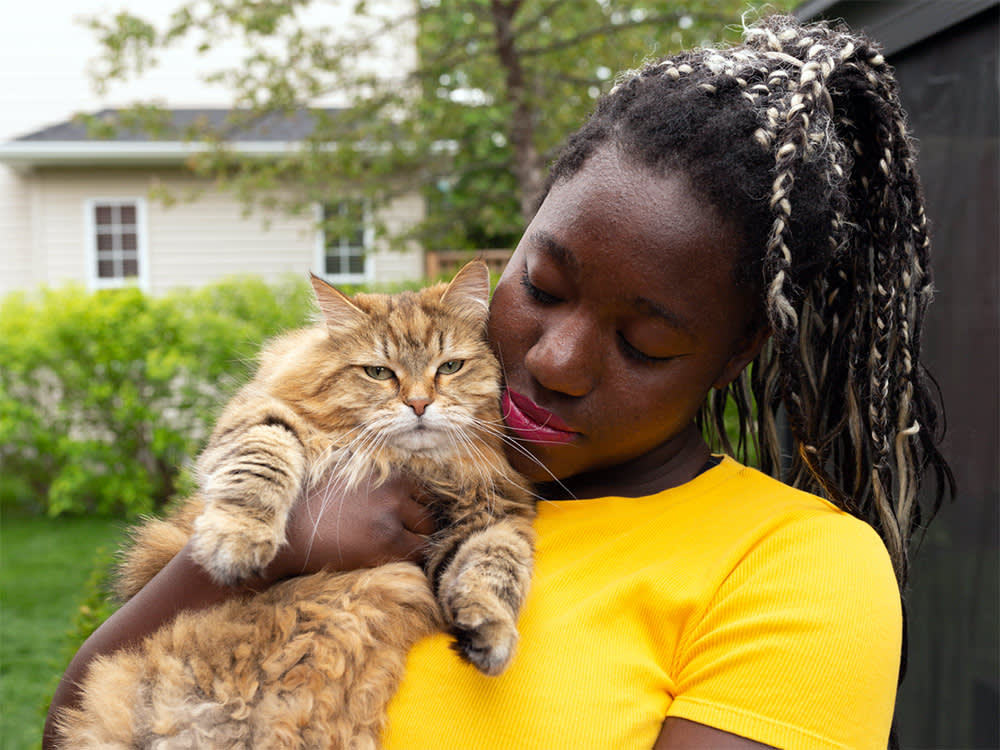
(535, 293)
(636, 354)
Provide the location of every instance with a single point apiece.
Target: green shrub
(104, 397)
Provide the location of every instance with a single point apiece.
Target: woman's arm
(343, 533)
(681, 734)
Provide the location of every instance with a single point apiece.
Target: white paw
(233, 548)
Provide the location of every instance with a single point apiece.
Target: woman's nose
(565, 358)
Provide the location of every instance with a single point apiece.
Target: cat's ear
(338, 310)
(468, 294)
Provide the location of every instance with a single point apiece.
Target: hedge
(105, 397)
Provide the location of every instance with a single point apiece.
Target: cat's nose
(418, 405)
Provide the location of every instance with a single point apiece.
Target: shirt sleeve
(800, 645)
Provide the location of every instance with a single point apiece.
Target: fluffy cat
(384, 384)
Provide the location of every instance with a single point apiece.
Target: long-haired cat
(383, 384)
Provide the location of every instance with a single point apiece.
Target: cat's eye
(451, 366)
(377, 372)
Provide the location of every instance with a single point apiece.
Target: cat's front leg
(250, 478)
(481, 591)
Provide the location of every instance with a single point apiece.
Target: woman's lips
(531, 422)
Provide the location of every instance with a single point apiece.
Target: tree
(494, 87)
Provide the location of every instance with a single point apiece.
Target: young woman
(739, 224)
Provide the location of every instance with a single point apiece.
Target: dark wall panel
(949, 85)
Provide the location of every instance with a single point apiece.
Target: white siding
(17, 261)
(190, 242)
(208, 238)
(408, 263)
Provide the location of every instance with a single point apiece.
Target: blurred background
(200, 158)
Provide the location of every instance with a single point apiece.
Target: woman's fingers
(344, 530)
(416, 516)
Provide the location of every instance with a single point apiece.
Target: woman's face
(615, 316)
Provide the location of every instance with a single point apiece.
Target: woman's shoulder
(727, 518)
(729, 492)
(762, 513)
(801, 597)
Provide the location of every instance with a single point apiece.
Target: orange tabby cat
(386, 383)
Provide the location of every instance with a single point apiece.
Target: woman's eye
(535, 293)
(635, 354)
(451, 366)
(377, 372)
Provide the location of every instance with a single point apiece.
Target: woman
(723, 208)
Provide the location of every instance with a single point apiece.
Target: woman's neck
(670, 464)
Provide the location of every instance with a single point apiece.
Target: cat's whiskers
(481, 463)
(355, 464)
(365, 460)
(487, 426)
(505, 471)
(329, 492)
(341, 462)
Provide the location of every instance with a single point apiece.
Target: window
(117, 243)
(343, 239)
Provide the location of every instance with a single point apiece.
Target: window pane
(116, 239)
(333, 264)
(356, 263)
(344, 232)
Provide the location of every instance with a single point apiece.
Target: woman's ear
(752, 344)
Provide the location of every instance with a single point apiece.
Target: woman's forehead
(636, 235)
(618, 200)
(612, 211)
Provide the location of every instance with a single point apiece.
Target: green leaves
(464, 101)
(104, 397)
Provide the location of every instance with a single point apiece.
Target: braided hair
(799, 137)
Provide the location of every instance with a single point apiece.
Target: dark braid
(798, 136)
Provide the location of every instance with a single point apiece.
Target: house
(946, 59)
(79, 209)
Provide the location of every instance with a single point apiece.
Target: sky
(45, 52)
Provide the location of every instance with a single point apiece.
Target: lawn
(44, 564)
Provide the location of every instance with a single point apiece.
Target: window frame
(367, 240)
(94, 280)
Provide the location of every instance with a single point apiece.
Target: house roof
(114, 141)
(270, 127)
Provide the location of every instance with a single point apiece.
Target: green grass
(44, 565)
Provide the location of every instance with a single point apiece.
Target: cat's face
(409, 373)
(422, 377)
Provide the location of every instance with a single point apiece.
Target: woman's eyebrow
(675, 320)
(556, 251)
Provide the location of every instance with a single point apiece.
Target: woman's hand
(337, 530)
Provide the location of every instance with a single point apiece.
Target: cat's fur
(312, 662)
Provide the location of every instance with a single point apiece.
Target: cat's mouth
(420, 437)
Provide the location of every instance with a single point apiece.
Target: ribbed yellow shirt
(733, 601)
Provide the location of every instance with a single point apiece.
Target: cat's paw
(481, 592)
(485, 634)
(232, 546)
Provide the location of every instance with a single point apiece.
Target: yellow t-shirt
(733, 601)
